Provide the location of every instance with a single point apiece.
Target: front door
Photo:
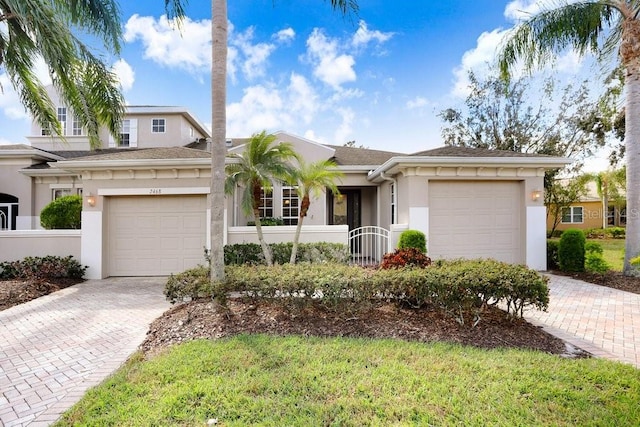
(345, 209)
(8, 214)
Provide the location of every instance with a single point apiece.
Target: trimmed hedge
(251, 253)
(413, 239)
(571, 250)
(552, 255)
(62, 213)
(42, 268)
(462, 288)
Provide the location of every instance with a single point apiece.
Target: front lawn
(277, 381)
(613, 252)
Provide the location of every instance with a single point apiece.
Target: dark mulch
(208, 319)
(14, 292)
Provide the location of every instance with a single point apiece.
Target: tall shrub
(62, 213)
(413, 239)
(571, 250)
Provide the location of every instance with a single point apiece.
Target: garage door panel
(156, 235)
(475, 220)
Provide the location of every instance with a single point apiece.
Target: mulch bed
(14, 292)
(612, 279)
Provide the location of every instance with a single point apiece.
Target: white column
(91, 244)
(536, 235)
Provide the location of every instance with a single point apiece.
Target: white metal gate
(368, 244)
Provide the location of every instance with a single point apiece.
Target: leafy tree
(219, 33)
(261, 163)
(560, 194)
(610, 185)
(312, 179)
(45, 29)
(498, 115)
(600, 26)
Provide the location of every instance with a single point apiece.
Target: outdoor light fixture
(91, 200)
(535, 195)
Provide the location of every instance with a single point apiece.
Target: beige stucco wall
(15, 245)
(591, 215)
(14, 183)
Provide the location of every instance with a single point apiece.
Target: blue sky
(379, 78)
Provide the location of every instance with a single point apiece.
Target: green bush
(413, 239)
(62, 213)
(462, 288)
(407, 257)
(251, 253)
(552, 254)
(571, 250)
(192, 283)
(42, 268)
(267, 222)
(593, 247)
(616, 232)
(595, 233)
(595, 263)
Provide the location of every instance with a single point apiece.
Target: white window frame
(158, 125)
(266, 209)
(76, 127)
(393, 203)
(62, 118)
(56, 193)
(290, 203)
(572, 215)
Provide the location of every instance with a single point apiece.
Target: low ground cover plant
(42, 268)
(462, 287)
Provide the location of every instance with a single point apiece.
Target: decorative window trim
(62, 118)
(76, 127)
(393, 203)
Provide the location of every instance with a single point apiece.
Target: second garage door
(476, 220)
(155, 235)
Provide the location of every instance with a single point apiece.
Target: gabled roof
(354, 156)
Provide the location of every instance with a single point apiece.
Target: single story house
(146, 206)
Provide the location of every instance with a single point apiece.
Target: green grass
(296, 381)
(613, 252)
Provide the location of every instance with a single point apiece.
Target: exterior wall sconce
(536, 195)
(91, 200)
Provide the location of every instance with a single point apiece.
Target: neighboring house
(588, 212)
(146, 209)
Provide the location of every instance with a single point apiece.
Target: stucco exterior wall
(591, 217)
(15, 245)
(14, 183)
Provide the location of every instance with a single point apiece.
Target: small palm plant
(312, 179)
(260, 164)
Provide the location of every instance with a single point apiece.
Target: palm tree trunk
(296, 239)
(218, 134)
(266, 250)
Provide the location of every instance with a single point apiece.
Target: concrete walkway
(601, 320)
(54, 348)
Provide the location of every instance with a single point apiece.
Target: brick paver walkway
(601, 320)
(54, 348)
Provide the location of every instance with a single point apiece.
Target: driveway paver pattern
(53, 349)
(601, 320)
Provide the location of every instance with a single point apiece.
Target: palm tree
(312, 179)
(609, 184)
(261, 163)
(44, 29)
(583, 27)
(219, 34)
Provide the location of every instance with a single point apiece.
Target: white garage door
(476, 220)
(156, 235)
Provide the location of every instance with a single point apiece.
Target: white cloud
(330, 67)
(345, 129)
(311, 135)
(125, 74)
(519, 10)
(478, 60)
(364, 36)
(254, 55)
(417, 102)
(188, 49)
(285, 35)
(10, 101)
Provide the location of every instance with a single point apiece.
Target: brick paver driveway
(54, 348)
(601, 320)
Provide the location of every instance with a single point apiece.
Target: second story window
(62, 118)
(125, 134)
(76, 128)
(158, 125)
